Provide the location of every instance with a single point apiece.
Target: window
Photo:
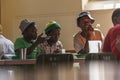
(101, 4)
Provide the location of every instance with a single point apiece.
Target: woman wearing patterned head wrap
(52, 45)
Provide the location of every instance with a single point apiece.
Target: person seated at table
(30, 41)
(80, 40)
(112, 39)
(53, 44)
(6, 45)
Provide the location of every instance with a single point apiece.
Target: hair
(78, 19)
(116, 13)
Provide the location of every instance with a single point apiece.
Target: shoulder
(9, 41)
(116, 27)
(97, 30)
(20, 39)
(5, 40)
(77, 35)
(115, 31)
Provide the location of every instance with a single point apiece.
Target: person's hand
(90, 34)
(41, 39)
(57, 51)
(90, 28)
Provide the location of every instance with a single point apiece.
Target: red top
(110, 41)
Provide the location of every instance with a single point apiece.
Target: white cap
(86, 13)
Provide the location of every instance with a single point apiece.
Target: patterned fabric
(52, 25)
(79, 41)
(47, 49)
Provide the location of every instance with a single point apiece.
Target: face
(55, 34)
(117, 20)
(31, 32)
(84, 23)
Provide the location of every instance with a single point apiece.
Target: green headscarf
(52, 25)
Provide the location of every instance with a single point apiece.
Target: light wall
(103, 17)
(42, 11)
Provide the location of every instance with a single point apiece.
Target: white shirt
(6, 46)
(79, 41)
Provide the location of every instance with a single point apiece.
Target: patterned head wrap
(52, 25)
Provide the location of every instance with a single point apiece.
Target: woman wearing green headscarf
(52, 45)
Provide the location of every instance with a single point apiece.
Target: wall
(42, 11)
(103, 17)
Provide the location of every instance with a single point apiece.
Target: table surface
(93, 70)
(77, 58)
(78, 70)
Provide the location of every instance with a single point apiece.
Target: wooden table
(94, 70)
(81, 58)
(29, 61)
(17, 62)
(79, 70)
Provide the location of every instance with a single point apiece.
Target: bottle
(23, 53)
